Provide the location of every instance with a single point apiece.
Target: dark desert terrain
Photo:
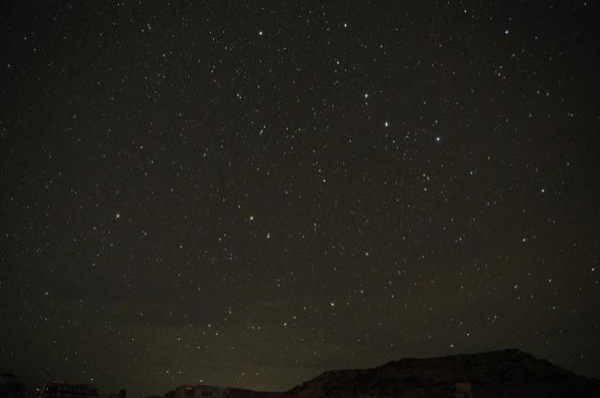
(506, 373)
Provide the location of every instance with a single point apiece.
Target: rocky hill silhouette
(507, 373)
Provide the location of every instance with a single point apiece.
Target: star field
(250, 194)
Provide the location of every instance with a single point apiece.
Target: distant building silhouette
(121, 394)
(57, 389)
(10, 387)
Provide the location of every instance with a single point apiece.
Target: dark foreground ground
(507, 373)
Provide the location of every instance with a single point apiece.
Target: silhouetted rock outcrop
(507, 373)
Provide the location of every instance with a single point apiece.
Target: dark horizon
(250, 194)
(104, 393)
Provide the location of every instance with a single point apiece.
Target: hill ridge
(491, 374)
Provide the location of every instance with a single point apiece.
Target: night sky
(250, 194)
